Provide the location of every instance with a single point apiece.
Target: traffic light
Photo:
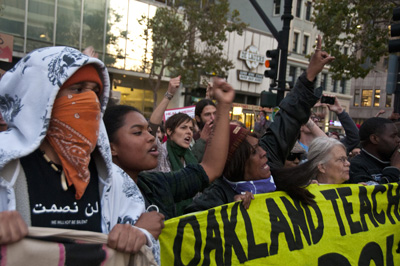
(394, 45)
(272, 64)
(268, 99)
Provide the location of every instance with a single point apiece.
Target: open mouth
(266, 167)
(153, 151)
(188, 139)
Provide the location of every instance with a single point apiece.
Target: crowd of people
(110, 170)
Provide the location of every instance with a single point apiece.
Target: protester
(250, 162)
(352, 139)
(261, 125)
(328, 161)
(296, 156)
(205, 112)
(308, 132)
(134, 149)
(356, 151)
(379, 160)
(55, 165)
(204, 115)
(161, 133)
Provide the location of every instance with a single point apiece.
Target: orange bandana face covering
(73, 133)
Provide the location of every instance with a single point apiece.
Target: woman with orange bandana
(55, 163)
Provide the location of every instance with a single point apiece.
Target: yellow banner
(349, 225)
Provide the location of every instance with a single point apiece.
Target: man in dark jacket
(379, 160)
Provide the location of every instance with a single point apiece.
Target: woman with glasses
(329, 159)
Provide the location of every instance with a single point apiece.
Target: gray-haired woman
(328, 161)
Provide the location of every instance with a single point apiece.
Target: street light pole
(283, 46)
(283, 39)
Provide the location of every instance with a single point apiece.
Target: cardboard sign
(189, 110)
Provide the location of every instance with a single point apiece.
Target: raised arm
(294, 111)
(217, 147)
(157, 115)
(314, 129)
(352, 138)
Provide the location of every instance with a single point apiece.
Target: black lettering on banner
(365, 208)
(279, 225)
(296, 215)
(393, 201)
(333, 259)
(330, 194)
(177, 247)
(316, 232)
(380, 217)
(231, 239)
(355, 227)
(213, 242)
(389, 250)
(371, 252)
(255, 251)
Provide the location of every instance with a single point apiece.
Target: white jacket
(27, 94)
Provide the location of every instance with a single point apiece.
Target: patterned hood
(27, 94)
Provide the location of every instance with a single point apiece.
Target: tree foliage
(188, 40)
(359, 26)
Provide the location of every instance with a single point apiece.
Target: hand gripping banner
(348, 225)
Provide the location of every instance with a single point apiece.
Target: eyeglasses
(293, 156)
(342, 159)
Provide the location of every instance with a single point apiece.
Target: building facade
(302, 38)
(112, 28)
(370, 95)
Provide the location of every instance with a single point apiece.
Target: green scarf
(176, 152)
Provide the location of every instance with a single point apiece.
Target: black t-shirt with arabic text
(51, 206)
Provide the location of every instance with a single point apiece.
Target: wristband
(168, 95)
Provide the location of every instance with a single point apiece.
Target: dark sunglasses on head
(293, 156)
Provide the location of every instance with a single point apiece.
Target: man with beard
(379, 160)
(205, 112)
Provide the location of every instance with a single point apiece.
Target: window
(334, 85)
(305, 44)
(252, 100)
(277, 7)
(308, 11)
(324, 77)
(366, 98)
(388, 100)
(67, 32)
(298, 8)
(356, 97)
(343, 86)
(377, 96)
(140, 98)
(295, 42)
(346, 50)
(40, 34)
